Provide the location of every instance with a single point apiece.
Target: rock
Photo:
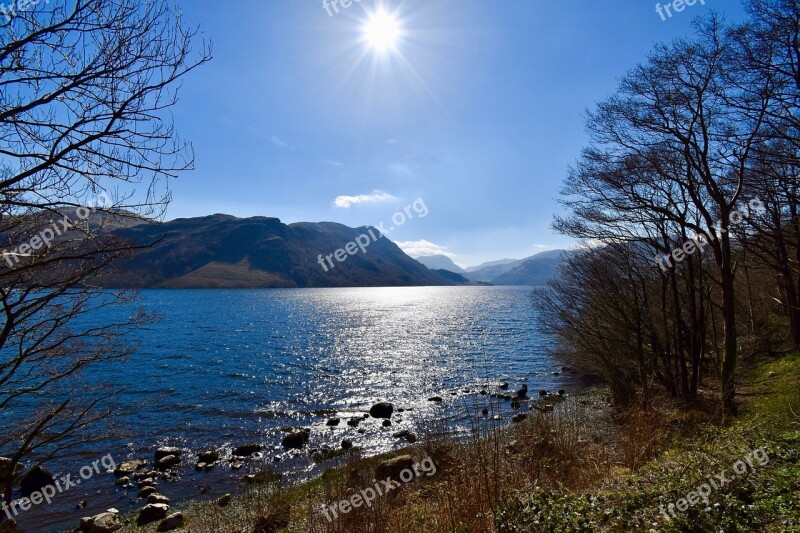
(411, 438)
(200, 466)
(556, 373)
(152, 512)
(208, 457)
(80, 505)
(129, 467)
(382, 410)
(165, 451)
(354, 422)
(295, 440)
(561, 392)
(333, 421)
(543, 393)
(401, 434)
(168, 461)
(362, 430)
(224, 500)
(393, 467)
(123, 480)
(173, 521)
(274, 521)
(145, 482)
(35, 480)
(503, 385)
(347, 444)
(236, 465)
(435, 399)
(157, 498)
(515, 403)
(497, 417)
(143, 475)
(387, 423)
(103, 523)
(247, 450)
(484, 411)
(519, 418)
(144, 492)
(482, 392)
(523, 392)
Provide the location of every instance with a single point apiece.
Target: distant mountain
(493, 270)
(452, 276)
(440, 262)
(534, 271)
(500, 262)
(222, 251)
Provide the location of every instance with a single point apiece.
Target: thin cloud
(423, 248)
(277, 141)
(333, 163)
(346, 202)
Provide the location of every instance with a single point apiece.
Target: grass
(578, 467)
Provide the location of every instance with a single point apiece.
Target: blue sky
(478, 111)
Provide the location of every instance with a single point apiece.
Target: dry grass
(566, 448)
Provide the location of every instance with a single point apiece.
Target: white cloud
(541, 246)
(333, 163)
(345, 202)
(277, 141)
(422, 248)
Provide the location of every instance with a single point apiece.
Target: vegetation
(87, 145)
(688, 196)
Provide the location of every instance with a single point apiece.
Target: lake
(230, 367)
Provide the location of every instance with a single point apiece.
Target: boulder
(543, 393)
(435, 399)
(393, 467)
(503, 385)
(295, 440)
(152, 512)
(333, 422)
(168, 461)
(157, 498)
(387, 423)
(167, 450)
(246, 450)
(382, 410)
(523, 392)
(129, 467)
(354, 422)
(518, 418)
(35, 480)
(401, 434)
(347, 444)
(173, 521)
(107, 522)
(224, 501)
(208, 457)
(144, 492)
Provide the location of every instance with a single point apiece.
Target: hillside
(534, 271)
(440, 262)
(222, 251)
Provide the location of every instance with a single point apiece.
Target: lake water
(229, 367)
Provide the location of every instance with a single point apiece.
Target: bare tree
(85, 92)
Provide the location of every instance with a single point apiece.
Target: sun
(382, 31)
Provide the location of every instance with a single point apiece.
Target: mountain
(440, 262)
(534, 271)
(500, 262)
(222, 251)
(491, 271)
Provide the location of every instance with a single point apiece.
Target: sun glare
(382, 31)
